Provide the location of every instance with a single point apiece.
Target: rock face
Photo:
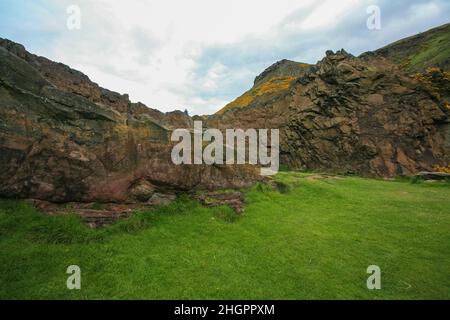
(346, 114)
(232, 199)
(270, 86)
(63, 138)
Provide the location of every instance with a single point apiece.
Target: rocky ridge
(65, 139)
(362, 115)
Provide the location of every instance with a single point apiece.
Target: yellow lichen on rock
(442, 169)
(270, 87)
(302, 65)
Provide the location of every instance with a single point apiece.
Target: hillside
(270, 85)
(419, 52)
(366, 115)
(413, 54)
(63, 138)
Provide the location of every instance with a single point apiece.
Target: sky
(201, 54)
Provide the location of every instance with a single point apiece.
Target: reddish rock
(63, 138)
(361, 115)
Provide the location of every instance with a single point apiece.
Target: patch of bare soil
(93, 214)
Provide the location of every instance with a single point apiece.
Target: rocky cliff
(64, 138)
(366, 115)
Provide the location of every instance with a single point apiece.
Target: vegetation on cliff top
(436, 82)
(313, 240)
(419, 52)
(414, 54)
(269, 88)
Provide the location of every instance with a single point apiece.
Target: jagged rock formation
(353, 114)
(63, 138)
(69, 80)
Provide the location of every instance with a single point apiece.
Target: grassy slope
(314, 241)
(433, 53)
(417, 53)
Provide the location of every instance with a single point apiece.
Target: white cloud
(155, 50)
(149, 48)
(325, 14)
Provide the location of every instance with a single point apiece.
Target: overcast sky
(201, 54)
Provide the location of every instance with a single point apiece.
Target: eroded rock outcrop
(63, 138)
(353, 114)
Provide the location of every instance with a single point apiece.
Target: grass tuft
(226, 214)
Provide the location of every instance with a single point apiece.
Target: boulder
(142, 191)
(159, 199)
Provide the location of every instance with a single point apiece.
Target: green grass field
(314, 240)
